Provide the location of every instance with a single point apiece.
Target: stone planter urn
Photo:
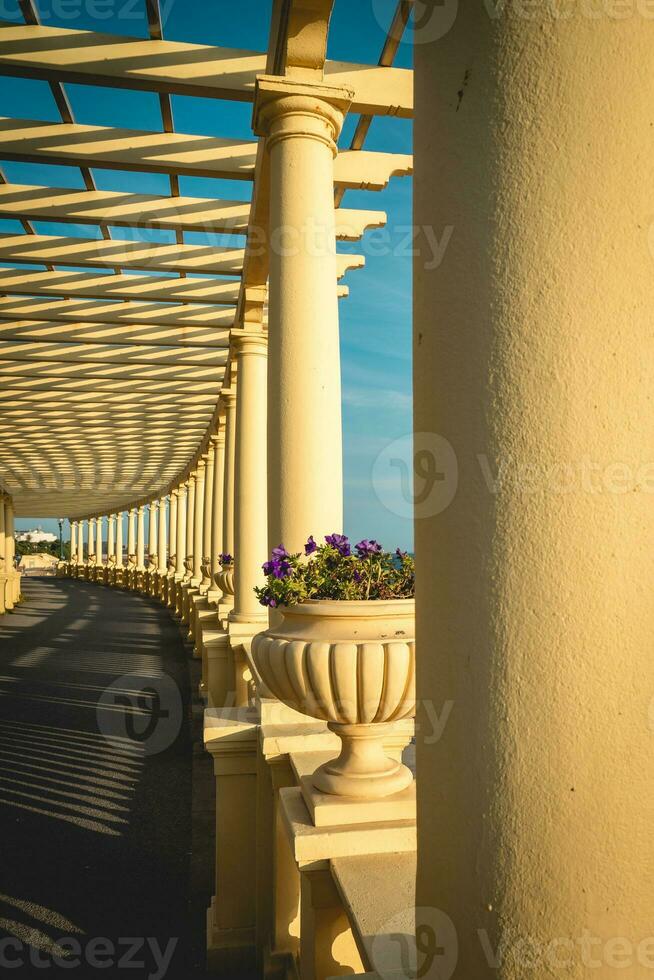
(224, 579)
(351, 664)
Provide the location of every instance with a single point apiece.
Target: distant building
(37, 536)
(38, 562)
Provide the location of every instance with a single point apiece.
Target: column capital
(227, 396)
(249, 342)
(286, 108)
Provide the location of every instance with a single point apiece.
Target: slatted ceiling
(112, 379)
(140, 288)
(190, 320)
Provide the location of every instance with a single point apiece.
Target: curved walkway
(98, 836)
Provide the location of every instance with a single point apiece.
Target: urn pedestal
(351, 664)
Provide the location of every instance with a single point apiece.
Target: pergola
(198, 388)
(109, 380)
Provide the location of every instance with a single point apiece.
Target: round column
(98, 540)
(180, 567)
(131, 532)
(198, 518)
(217, 516)
(172, 524)
(73, 539)
(228, 397)
(91, 537)
(205, 584)
(119, 539)
(305, 482)
(162, 564)
(250, 502)
(534, 359)
(140, 538)
(190, 521)
(13, 589)
(152, 528)
(111, 536)
(80, 543)
(5, 580)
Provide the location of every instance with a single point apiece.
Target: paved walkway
(100, 833)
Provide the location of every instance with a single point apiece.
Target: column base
(230, 952)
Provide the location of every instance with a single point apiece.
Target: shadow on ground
(105, 793)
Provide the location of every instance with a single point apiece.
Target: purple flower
(277, 567)
(267, 600)
(365, 548)
(357, 576)
(310, 546)
(225, 559)
(400, 553)
(340, 542)
(280, 552)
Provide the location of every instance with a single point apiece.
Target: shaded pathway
(96, 771)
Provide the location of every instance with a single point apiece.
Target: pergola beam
(191, 339)
(176, 68)
(205, 358)
(121, 209)
(36, 282)
(94, 253)
(71, 144)
(193, 322)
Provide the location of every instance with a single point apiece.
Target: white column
(305, 482)
(534, 359)
(152, 529)
(119, 539)
(228, 397)
(180, 567)
(131, 532)
(80, 542)
(73, 539)
(9, 535)
(205, 584)
(162, 566)
(3, 547)
(140, 538)
(111, 536)
(198, 518)
(250, 507)
(217, 515)
(190, 518)
(98, 540)
(172, 525)
(91, 544)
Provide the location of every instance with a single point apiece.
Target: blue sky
(375, 318)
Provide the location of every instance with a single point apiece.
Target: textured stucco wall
(534, 353)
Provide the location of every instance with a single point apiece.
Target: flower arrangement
(336, 570)
(226, 559)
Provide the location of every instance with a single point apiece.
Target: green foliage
(332, 571)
